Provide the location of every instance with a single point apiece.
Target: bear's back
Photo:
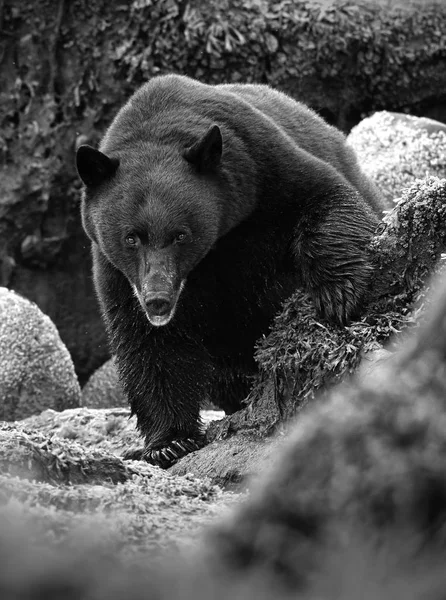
(171, 98)
(309, 131)
(176, 102)
(174, 111)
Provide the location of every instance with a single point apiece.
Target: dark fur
(270, 198)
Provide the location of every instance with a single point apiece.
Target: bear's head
(155, 212)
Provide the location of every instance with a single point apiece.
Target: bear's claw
(164, 457)
(167, 456)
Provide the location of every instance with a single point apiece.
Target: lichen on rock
(36, 369)
(394, 149)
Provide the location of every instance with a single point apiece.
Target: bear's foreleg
(164, 372)
(330, 248)
(165, 384)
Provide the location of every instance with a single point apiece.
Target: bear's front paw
(339, 301)
(168, 455)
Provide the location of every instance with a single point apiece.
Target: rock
(7, 266)
(36, 370)
(108, 430)
(356, 499)
(372, 362)
(63, 290)
(394, 149)
(145, 509)
(103, 389)
(230, 463)
(60, 473)
(30, 455)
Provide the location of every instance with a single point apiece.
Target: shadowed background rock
(103, 389)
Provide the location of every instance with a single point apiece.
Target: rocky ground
(62, 472)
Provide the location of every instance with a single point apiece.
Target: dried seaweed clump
(303, 355)
(36, 370)
(395, 149)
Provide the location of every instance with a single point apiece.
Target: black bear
(206, 206)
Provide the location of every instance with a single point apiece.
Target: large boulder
(394, 149)
(36, 370)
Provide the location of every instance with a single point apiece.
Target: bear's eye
(180, 237)
(132, 240)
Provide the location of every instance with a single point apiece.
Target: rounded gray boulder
(36, 370)
(394, 149)
(103, 389)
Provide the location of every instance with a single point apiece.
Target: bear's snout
(158, 306)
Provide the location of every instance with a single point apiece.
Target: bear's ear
(94, 167)
(205, 154)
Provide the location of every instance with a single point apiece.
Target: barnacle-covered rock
(36, 370)
(394, 149)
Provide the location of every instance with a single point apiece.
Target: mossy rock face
(36, 370)
(394, 149)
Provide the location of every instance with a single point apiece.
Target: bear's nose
(158, 306)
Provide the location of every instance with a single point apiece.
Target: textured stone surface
(103, 389)
(61, 472)
(151, 510)
(36, 370)
(109, 430)
(394, 149)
